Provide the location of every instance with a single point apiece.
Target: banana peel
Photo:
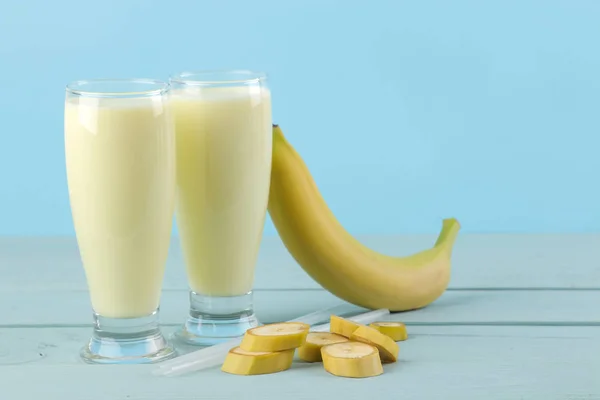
(338, 261)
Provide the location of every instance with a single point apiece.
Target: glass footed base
(127, 341)
(214, 320)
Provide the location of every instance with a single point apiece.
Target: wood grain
(520, 321)
(479, 261)
(555, 307)
(505, 363)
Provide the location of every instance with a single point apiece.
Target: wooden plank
(479, 261)
(505, 307)
(504, 363)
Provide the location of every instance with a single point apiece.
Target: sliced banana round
(275, 337)
(342, 326)
(388, 349)
(395, 330)
(310, 351)
(241, 362)
(351, 360)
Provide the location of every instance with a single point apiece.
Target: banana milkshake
(120, 161)
(224, 143)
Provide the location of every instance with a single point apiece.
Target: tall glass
(120, 158)
(223, 128)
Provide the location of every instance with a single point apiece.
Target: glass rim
(236, 76)
(156, 87)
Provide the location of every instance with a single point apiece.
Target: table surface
(520, 320)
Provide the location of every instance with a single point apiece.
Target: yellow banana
(388, 349)
(241, 362)
(395, 330)
(339, 262)
(275, 337)
(351, 360)
(310, 351)
(342, 326)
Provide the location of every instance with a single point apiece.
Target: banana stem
(447, 236)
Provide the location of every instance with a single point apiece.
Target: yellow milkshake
(120, 157)
(224, 147)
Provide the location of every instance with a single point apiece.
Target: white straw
(215, 355)
(216, 352)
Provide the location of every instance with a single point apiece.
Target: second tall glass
(223, 129)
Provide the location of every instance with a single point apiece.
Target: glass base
(127, 341)
(214, 320)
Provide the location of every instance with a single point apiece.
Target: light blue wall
(405, 111)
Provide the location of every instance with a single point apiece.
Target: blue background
(405, 111)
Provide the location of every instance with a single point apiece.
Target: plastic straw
(214, 355)
(221, 349)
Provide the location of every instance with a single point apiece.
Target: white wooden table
(521, 320)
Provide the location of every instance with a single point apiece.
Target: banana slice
(351, 360)
(388, 349)
(311, 349)
(275, 337)
(342, 326)
(395, 330)
(241, 362)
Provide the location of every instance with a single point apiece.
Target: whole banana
(339, 262)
